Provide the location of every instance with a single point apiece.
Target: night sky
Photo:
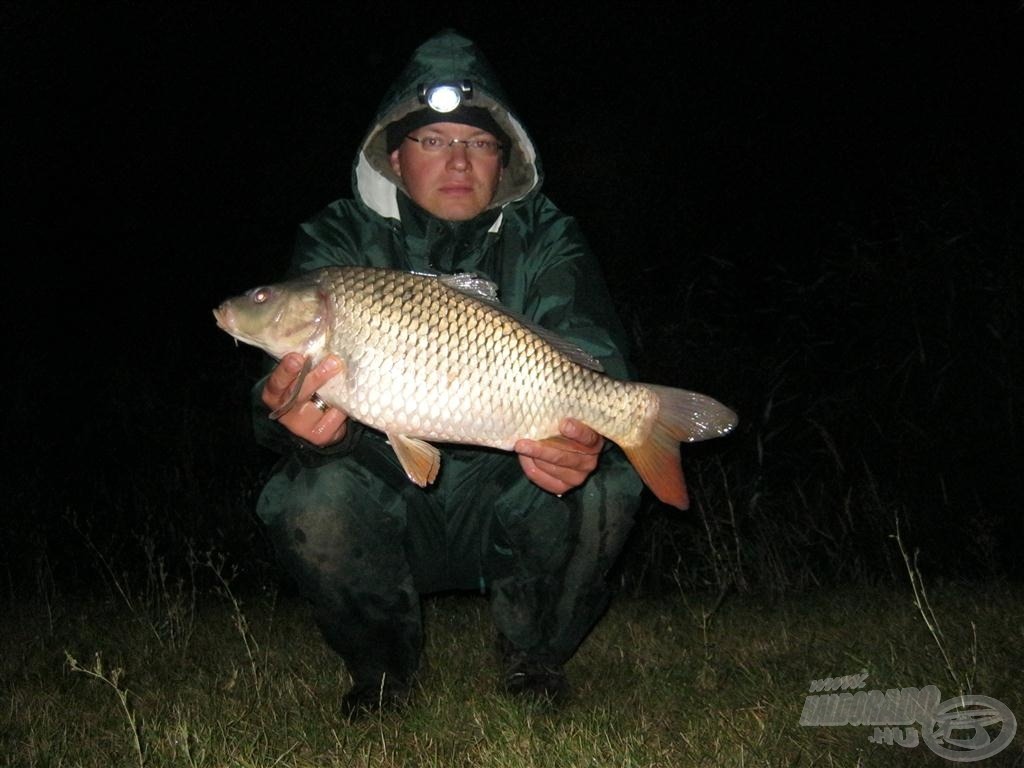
(158, 158)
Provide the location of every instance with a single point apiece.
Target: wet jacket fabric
(482, 525)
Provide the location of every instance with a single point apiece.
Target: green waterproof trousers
(362, 543)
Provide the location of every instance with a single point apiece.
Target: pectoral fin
(419, 459)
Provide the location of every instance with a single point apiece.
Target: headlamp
(445, 97)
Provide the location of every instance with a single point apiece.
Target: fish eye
(259, 295)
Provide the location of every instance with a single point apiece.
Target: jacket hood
(446, 57)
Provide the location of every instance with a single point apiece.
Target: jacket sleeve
(330, 239)
(567, 293)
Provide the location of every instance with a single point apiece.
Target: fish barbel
(436, 358)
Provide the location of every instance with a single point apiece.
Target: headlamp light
(445, 97)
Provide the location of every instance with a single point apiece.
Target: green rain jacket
(533, 252)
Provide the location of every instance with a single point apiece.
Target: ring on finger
(319, 402)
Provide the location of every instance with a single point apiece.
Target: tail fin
(683, 416)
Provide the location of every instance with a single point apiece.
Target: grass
(675, 681)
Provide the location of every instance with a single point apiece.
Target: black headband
(478, 117)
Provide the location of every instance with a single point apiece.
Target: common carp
(437, 358)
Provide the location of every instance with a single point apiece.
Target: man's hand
(305, 419)
(559, 464)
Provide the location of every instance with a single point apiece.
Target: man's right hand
(305, 419)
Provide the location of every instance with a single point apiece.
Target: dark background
(811, 211)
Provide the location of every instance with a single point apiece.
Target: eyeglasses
(478, 147)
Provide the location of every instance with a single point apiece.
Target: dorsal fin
(471, 284)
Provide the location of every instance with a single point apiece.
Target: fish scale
(436, 358)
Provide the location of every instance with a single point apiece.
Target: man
(452, 189)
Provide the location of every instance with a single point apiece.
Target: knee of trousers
(543, 532)
(335, 527)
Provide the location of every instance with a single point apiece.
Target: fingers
(281, 379)
(278, 389)
(326, 429)
(578, 445)
(577, 437)
(305, 419)
(559, 464)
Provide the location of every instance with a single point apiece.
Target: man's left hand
(559, 464)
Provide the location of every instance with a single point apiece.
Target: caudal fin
(683, 416)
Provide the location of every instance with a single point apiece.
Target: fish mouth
(225, 318)
(227, 322)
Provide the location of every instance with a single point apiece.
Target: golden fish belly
(492, 406)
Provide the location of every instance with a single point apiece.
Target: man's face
(453, 183)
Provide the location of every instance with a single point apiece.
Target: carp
(437, 358)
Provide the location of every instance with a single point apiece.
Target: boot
(531, 676)
(367, 698)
